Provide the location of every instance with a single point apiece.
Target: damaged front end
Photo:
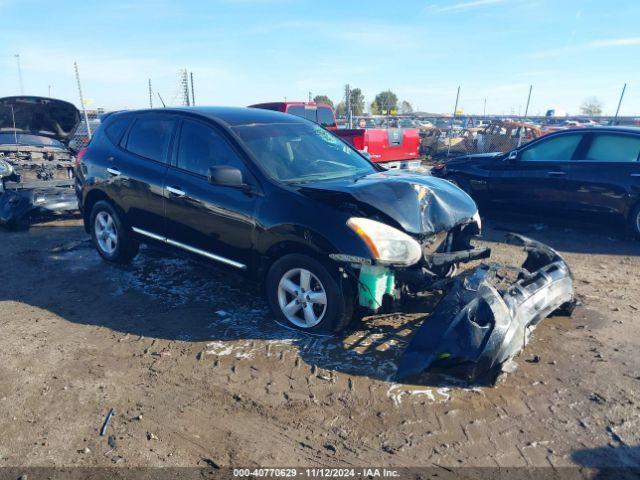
(20, 206)
(36, 163)
(484, 318)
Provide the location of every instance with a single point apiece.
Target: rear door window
(310, 113)
(297, 110)
(201, 148)
(613, 148)
(150, 137)
(559, 148)
(325, 117)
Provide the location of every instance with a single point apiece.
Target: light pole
(17, 55)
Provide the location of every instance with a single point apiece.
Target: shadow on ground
(611, 462)
(574, 236)
(173, 298)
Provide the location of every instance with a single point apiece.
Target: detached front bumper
(18, 206)
(484, 320)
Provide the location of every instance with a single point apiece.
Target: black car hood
(41, 116)
(419, 203)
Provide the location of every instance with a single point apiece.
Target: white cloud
(568, 49)
(463, 6)
(616, 42)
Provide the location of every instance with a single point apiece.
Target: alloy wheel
(302, 298)
(106, 232)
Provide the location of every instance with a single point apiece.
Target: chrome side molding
(189, 248)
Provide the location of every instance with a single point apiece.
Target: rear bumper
(411, 164)
(481, 323)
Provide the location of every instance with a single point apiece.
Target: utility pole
(624, 89)
(184, 85)
(526, 112)
(150, 95)
(49, 91)
(309, 96)
(17, 55)
(455, 109)
(84, 110)
(484, 108)
(347, 103)
(193, 96)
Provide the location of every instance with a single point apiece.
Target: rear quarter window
(116, 129)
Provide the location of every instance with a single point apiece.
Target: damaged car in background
(324, 230)
(36, 164)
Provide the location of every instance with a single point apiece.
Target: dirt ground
(197, 372)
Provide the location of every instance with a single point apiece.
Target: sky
(248, 51)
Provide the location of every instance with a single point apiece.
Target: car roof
(232, 116)
(619, 129)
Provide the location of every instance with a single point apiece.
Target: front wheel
(110, 236)
(305, 295)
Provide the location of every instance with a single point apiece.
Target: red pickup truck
(393, 147)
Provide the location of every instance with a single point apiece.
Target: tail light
(439, 166)
(81, 153)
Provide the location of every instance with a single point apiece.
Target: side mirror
(513, 156)
(225, 176)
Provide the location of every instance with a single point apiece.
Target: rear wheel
(110, 236)
(305, 295)
(634, 222)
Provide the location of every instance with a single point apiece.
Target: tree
(386, 101)
(322, 99)
(373, 109)
(341, 109)
(591, 106)
(405, 107)
(357, 101)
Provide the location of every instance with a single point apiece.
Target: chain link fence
(446, 137)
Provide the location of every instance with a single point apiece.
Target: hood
(46, 117)
(419, 203)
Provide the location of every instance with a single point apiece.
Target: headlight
(5, 169)
(476, 218)
(387, 244)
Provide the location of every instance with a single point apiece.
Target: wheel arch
(93, 197)
(285, 239)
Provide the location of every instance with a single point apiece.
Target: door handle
(176, 191)
(557, 174)
(114, 171)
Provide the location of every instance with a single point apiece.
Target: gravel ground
(197, 372)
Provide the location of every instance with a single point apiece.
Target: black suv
(278, 198)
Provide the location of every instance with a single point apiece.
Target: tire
(284, 287)
(111, 237)
(634, 222)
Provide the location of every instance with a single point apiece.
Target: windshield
(301, 152)
(28, 139)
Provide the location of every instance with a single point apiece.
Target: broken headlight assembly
(6, 170)
(388, 245)
(476, 218)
